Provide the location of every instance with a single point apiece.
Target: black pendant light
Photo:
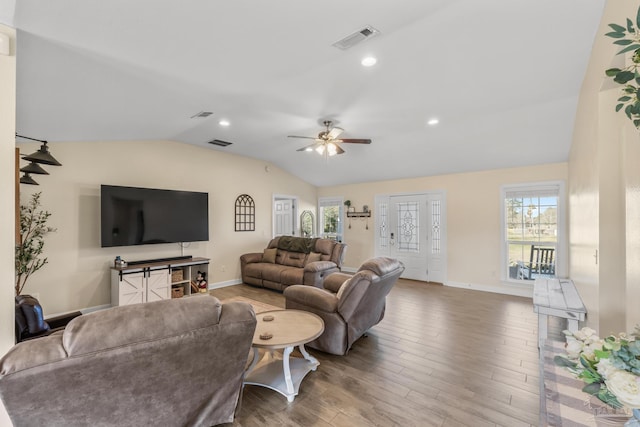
(26, 179)
(35, 168)
(41, 156)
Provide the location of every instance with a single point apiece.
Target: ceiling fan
(327, 140)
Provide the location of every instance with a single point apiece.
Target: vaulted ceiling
(502, 77)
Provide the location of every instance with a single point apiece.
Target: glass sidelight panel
(408, 227)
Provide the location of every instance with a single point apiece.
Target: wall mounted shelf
(359, 214)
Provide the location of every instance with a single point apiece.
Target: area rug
(258, 306)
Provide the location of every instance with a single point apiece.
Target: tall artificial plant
(33, 228)
(628, 37)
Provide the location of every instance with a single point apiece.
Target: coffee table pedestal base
(282, 374)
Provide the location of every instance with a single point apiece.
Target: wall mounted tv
(143, 216)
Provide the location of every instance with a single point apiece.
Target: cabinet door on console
(158, 285)
(132, 289)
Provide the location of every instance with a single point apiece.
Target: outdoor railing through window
(531, 231)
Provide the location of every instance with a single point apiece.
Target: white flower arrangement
(610, 367)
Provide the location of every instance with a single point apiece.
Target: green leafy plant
(628, 36)
(33, 229)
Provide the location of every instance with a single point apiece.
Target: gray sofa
(176, 362)
(349, 305)
(292, 261)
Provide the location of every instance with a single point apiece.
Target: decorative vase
(635, 420)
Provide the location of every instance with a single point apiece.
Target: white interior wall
(7, 198)
(78, 274)
(474, 246)
(604, 191)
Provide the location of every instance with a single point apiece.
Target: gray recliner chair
(349, 305)
(176, 362)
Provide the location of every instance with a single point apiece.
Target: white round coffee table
(287, 329)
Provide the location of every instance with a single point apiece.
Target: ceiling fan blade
(355, 140)
(310, 147)
(335, 132)
(339, 149)
(304, 137)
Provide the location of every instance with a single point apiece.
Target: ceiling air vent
(220, 143)
(202, 114)
(357, 37)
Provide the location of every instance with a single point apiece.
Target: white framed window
(330, 218)
(533, 231)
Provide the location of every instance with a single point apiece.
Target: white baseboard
(81, 310)
(95, 308)
(507, 289)
(224, 284)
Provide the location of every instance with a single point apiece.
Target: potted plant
(628, 37)
(33, 228)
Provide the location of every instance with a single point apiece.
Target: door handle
(391, 241)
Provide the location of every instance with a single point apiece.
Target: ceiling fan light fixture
(320, 149)
(332, 150)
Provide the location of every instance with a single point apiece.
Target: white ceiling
(503, 77)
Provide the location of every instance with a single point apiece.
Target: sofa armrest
(315, 272)
(311, 297)
(252, 257)
(334, 281)
(316, 266)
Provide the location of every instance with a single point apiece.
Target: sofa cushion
(325, 246)
(292, 259)
(292, 276)
(272, 272)
(313, 257)
(254, 270)
(270, 255)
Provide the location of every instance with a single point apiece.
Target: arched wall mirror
(306, 224)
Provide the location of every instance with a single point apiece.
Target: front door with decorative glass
(411, 228)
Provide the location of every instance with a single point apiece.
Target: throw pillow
(269, 255)
(313, 257)
(33, 314)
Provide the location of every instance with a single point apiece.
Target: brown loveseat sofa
(292, 261)
(176, 362)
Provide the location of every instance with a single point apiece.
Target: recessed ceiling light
(224, 122)
(433, 122)
(369, 61)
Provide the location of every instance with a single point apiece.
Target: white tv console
(153, 280)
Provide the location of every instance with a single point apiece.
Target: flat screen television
(143, 216)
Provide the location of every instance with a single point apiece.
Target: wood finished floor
(442, 356)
